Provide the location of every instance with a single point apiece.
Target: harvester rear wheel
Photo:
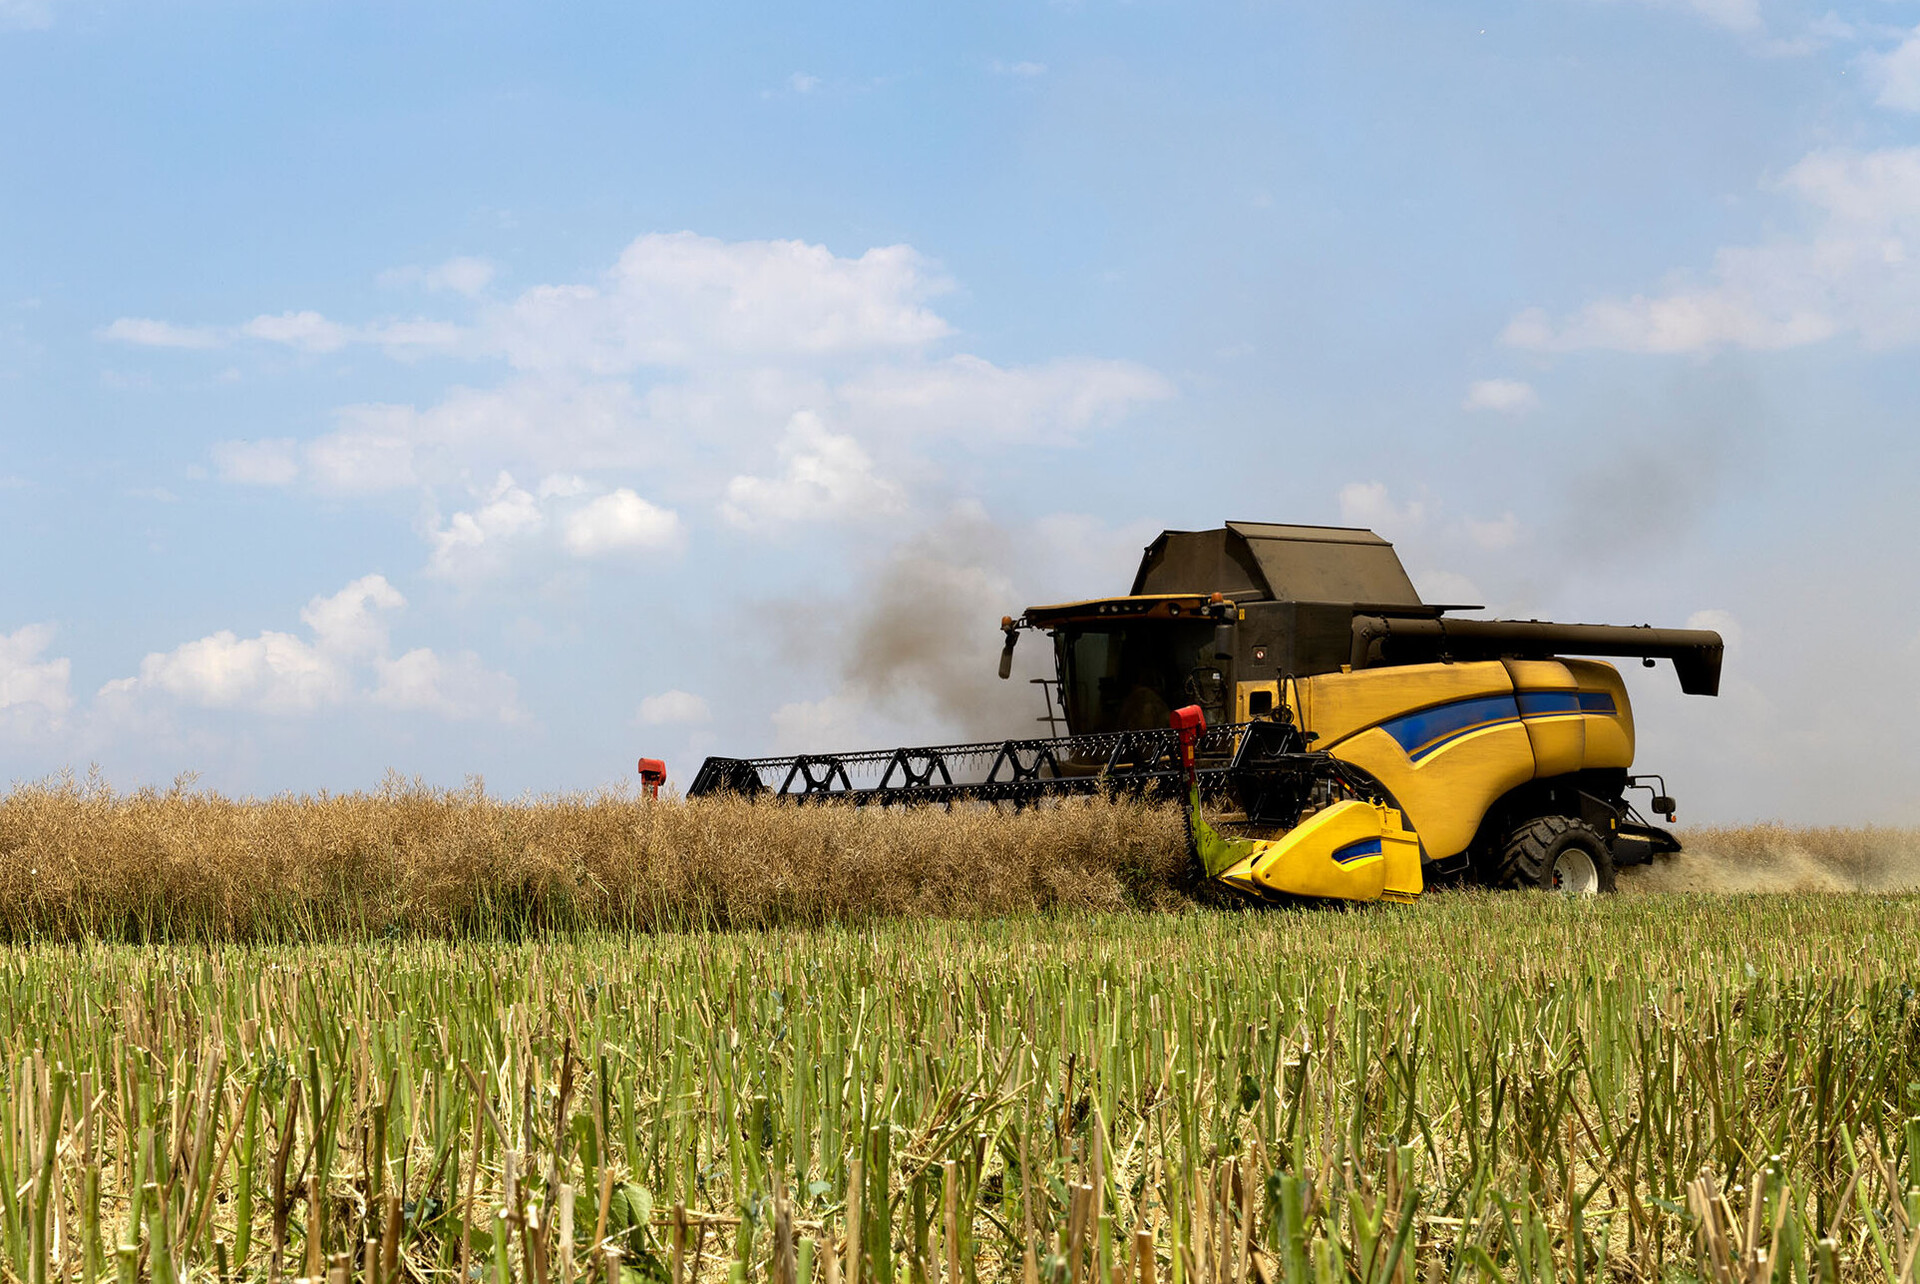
(1557, 854)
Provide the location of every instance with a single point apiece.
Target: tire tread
(1526, 856)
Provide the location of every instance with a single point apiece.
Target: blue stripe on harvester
(1545, 704)
(1356, 851)
(1423, 732)
(1428, 731)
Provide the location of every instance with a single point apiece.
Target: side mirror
(1223, 642)
(1006, 652)
(1665, 805)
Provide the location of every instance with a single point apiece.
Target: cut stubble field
(423, 1035)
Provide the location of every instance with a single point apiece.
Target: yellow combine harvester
(1354, 742)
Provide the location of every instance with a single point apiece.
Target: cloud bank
(767, 385)
(1854, 271)
(345, 658)
(34, 689)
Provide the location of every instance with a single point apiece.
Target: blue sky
(511, 390)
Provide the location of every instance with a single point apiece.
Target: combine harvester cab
(1365, 742)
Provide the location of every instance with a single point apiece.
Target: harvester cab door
(1207, 687)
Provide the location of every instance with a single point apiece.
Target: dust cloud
(1660, 466)
(928, 636)
(1785, 858)
(914, 653)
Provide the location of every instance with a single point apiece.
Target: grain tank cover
(1261, 561)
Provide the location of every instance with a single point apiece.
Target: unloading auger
(1353, 741)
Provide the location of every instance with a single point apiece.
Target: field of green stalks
(1480, 1086)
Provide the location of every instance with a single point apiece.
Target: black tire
(1553, 853)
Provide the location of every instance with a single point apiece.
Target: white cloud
(542, 422)
(1370, 505)
(1857, 272)
(678, 299)
(282, 674)
(965, 394)
(673, 707)
(563, 486)
(565, 422)
(1429, 538)
(345, 625)
(308, 331)
(756, 331)
(1447, 588)
(828, 478)
(409, 339)
(275, 673)
(365, 456)
(801, 83)
(759, 328)
(25, 15)
(690, 358)
(455, 686)
(618, 522)
(462, 275)
(147, 333)
(471, 541)
(1073, 555)
(257, 463)
(31, 686)
(1506, 396)
(1897, 73)
(1491, 535)
(480, 541)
